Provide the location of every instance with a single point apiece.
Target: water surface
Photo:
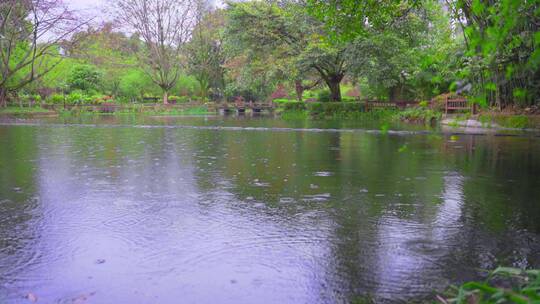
(121, 211)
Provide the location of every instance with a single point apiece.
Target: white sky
(97, 8)
(85, 5)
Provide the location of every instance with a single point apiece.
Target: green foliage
(408, 59)
(295, 115)
(187, 85)
(346, 20)
(330, 109)
(503, 285)
(135, 83)
(55, 99)
(75, 97)
(12, 110)
(503, 52)
(323, 96)
(282, 100)
(293, 106)
(348, 99)
(84, 77)
(507, 121)
(419, 115)
(206, 55)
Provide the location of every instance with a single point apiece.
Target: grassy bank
(140, 109)
(357, 112)
(24, 111)
(510, 120)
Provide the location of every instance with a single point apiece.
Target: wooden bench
(153, 99)
(457, 103)
(380, 105)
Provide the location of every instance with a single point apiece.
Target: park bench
(379, 105)
(456, 103)
(152, 99)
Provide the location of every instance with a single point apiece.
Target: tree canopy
(384, 50)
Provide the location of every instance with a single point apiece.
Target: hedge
(332, 108)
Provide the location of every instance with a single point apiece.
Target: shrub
(419, 115)
(280, 92)
(281, 100)
(181, 99)
(354, 93)
(514, 121)
(293, 106)
(55, 99)
(324, 96)
(309, 94)
(333, 108)
(84, 77)
(315, 108)
(75, 97)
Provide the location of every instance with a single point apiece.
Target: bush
(419, 115)
(293, 106)
(324, 96)
(513, 121)
(279, 93)
(55, 99)
(75, 97)
(334, 108)
(309, 94)
(181, 99)
(281, 100)
(84, 77)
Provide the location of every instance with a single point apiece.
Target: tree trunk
(299, 89)
(165, 97)
(3, 98)
(394, 93)
(204, 88)
(335, 89)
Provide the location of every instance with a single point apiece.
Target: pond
(122, 211)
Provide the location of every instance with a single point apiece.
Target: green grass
(508, 121)
(139, 109)
(294, 115)
(189, 111)
(24, 110)
(419, 115)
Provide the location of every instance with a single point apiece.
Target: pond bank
(490, 121)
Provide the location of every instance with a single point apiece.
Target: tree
(164, 26)
(205, 50)
(135, 83)
(394, 58)
(110, 50)
(30, 33)
(288, 40)
(84, 77)
(345, 20)
(503, 42)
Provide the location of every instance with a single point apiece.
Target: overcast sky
(85, 5)
(96, 8)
